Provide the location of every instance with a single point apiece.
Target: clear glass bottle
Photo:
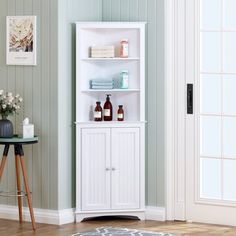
(107, 108)
(124, 79)
(120, 113)
(98, 112)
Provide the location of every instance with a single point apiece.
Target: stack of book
(102, 51)
(101, 84)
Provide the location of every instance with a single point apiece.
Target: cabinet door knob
(107, 169)
(113, 168)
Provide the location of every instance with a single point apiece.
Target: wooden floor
(12, 228)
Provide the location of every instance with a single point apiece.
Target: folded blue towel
(102, 87)
(102, 84)
(101, 80)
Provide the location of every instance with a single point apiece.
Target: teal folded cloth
(102, 84)
(101, 80)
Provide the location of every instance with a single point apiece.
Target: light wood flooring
(13, 228)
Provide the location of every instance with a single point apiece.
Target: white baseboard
(155, 213)
(54, 217)
(66, 216)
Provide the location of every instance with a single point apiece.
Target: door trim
(169, 106)
(175, 104)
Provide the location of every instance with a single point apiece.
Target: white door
(211, 129)
(95, 173)
(125, 167)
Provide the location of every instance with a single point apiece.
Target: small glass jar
(124, 48)
(124, 79)
(98, 112)
(120, 113)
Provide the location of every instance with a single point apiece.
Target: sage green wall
(70, 11)
(151, 11)
(38, 86)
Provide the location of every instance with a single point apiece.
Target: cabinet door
(95, 169)
(125, 165)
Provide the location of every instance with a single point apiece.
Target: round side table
(18, 143)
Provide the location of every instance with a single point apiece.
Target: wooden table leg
(18, 181)
(4, 158)
(26, 182)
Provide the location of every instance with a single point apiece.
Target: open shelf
(111, 59)
(109, 90)
(90, 68)
(113, 122)
(110, 124)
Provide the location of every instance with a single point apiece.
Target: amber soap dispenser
(107, 109)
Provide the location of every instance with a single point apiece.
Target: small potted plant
(9, 105)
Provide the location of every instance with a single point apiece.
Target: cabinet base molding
(155, 213)
(45, 216)
(80, 216)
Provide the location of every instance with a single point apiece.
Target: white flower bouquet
(9, 104)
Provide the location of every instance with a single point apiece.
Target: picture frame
(21, 38)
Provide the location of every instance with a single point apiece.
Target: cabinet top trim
(110, 124)
(111, 22)
(94, 25)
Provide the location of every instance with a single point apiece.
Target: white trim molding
(175, 100)
(170, 109)
(155, 213)
(54, 217)
(67, 216)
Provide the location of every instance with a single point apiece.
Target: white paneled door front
(211, 130)
(96, 169)
(110, 169)
(125, 168)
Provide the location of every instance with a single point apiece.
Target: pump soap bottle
(107, 109)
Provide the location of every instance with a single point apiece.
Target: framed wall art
(21, 40)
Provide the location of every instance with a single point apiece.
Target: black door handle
(189, 98)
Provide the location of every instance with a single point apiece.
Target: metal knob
(113, 168)
(107, 169)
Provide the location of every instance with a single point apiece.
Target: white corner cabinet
(110, 155)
